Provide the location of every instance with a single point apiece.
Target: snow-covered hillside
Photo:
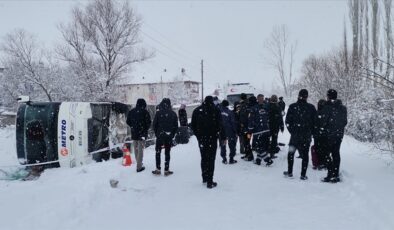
(247, 197)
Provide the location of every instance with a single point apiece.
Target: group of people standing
(326, 126)
(254, 119)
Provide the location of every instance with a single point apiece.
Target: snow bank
(247, 197)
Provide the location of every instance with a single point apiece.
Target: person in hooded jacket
(282, 105)
(275, 123)
(207, 127)
(244, 120)
(320, 139)
(258, 127)
(240, 109)
(230, 130)
(139, 121)
(182, 114)
(300, 121)
(165, 125)
(333, 121)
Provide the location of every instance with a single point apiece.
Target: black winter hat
(303, 94)
(252, 100)
(166, 103)
(225, 103)
(208, 100)
(243, 96)
(332, 94)
(141, 103)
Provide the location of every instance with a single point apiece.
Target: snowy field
(247, 197)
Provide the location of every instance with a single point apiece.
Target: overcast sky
(228, 35)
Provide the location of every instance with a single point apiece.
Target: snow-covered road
(247, 197)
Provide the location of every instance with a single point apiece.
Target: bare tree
(102, 40)
(281, 56)
(361, 32)
(375, 32)
(388, 35)
(345, 49)
(354, 11)
(366, 43)
(29, 62)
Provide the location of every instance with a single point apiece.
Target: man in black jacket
(333, 121)
(182, 114)
(282, 105)
(230, 130)
(240, 107)
(244, 120)
(165, 125)
(139, 121)
(300, 123)
(275, 124)
(206, 125)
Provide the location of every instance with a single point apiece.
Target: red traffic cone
(126, 156)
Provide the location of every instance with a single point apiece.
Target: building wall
(155, 92)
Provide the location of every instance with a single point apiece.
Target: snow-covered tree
(281, 51)
(101, 44)
(29, 68)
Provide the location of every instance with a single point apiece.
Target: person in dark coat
(333, 121)
(165, 125)
(244, 120)
(241, 108)
(300, 123)
(275, 123)
(320, 140)
(182, 114)
(282, 105)
(230, 129)
(207, 127)
(258, 127)
(139, 121)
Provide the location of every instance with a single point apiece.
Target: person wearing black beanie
(207, 126)
(300, 120)
(333, 120)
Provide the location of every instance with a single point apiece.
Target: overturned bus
(70, 134)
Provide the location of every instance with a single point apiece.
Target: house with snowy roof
(179, 87)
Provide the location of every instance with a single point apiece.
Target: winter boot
(224, 161)
(335, 180)
(156, 172)
(268, 161)
(168, 172)
(287, 174)
(232, 161)
(326, 179)
(212, 185)
(249, 158)
(257, 161)
(141, 169)
(304, 178)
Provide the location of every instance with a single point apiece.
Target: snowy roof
(146, 73)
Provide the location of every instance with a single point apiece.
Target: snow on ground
(247, 197)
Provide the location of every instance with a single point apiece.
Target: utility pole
(202, 81)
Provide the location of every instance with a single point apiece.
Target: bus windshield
(36, 135)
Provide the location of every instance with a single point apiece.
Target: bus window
(98, 128)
